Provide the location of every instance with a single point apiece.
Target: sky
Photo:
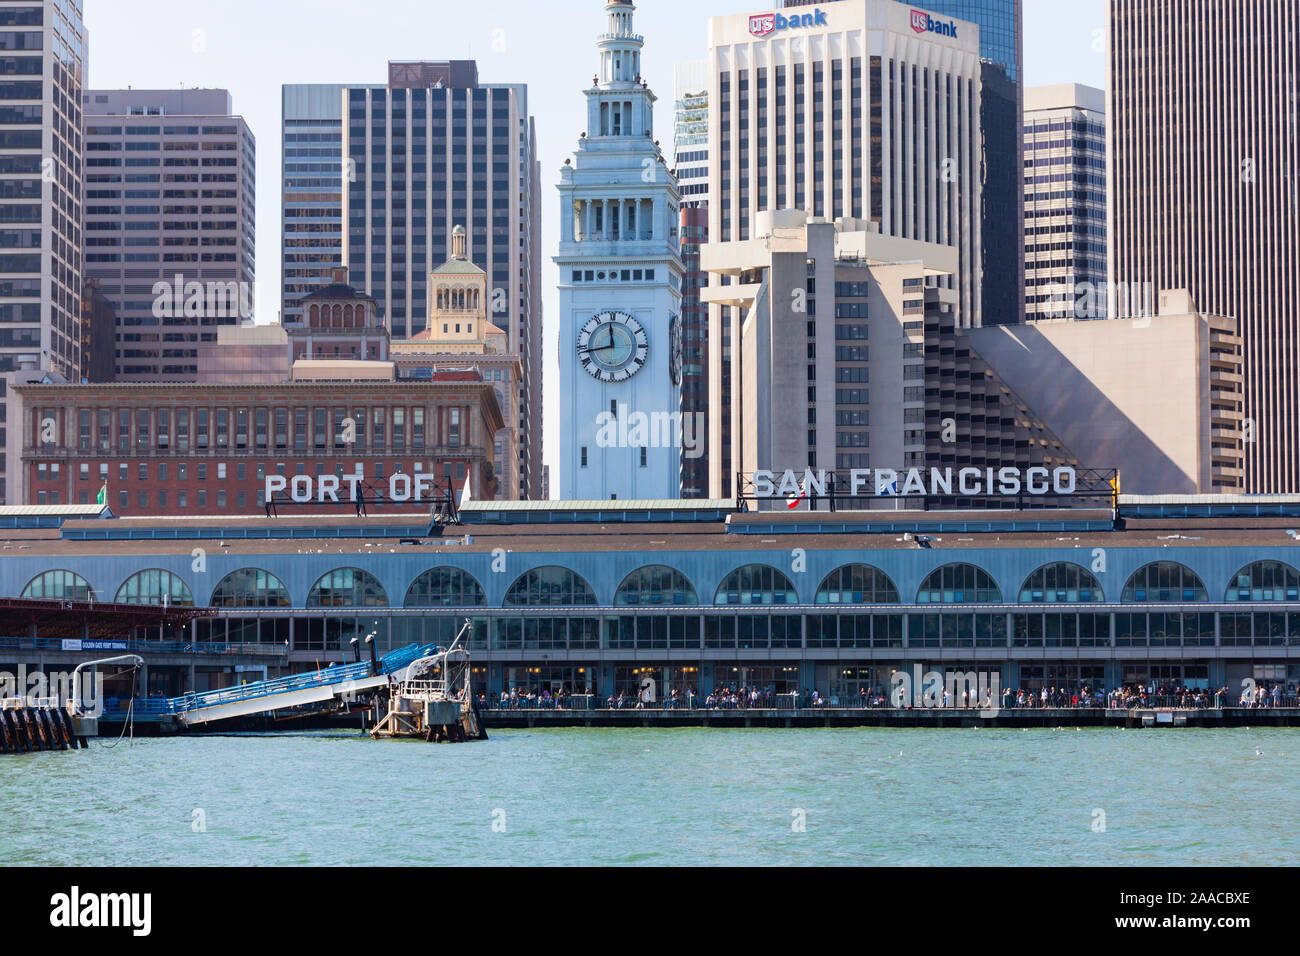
(253, 47)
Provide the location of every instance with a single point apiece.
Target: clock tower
(620, 289)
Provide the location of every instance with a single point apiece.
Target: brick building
(199, 449)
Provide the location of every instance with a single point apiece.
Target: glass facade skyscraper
(312, 170)
(1001, 25)
(431, 150)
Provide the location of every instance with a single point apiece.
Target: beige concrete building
(459, 335)
(848, 356)
(803, 367)
(1203, 144)
(1158, 397)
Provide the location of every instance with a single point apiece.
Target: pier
(917, 717)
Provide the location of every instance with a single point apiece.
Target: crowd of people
(731, 697)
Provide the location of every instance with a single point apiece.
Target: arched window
(549, 587)
(1061, 583)
(959, 584)
(250, 587)
(155, 587)
(1265, 581)
(756, 584)
(857, 584)
(1164, 582)
(313, 316)
(445, 587)
(656, 584)
(57, 586)
(347, 587)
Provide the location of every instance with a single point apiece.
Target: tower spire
(620, 46)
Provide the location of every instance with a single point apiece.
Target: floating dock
(433, 702)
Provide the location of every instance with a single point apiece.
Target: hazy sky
(252, 47)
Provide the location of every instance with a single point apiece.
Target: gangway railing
(267, 688)
(339, 674)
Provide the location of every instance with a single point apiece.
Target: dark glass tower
(1001, 25)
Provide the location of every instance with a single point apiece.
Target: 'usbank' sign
(922, 22)
(765, 24)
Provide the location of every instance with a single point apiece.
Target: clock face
(612, 346)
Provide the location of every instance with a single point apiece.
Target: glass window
(347, 587)
(1164, 582)
(445, 587)
(1061, 583)
(155, 587)
(250, 587)
(857, 584)
(656, 584)
(756, 584)
(1265, 581)
(959, 584)
(57, 586)
(550, 587)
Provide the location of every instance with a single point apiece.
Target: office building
(1001, 24)
(207, 450)
(891, 381)
(42, 66)
(691, 167)
(432, 149)
(1065, 203)
(312, 171)
(170, 200)
(1202, 143)
(620, 289)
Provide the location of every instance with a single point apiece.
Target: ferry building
(595, 596)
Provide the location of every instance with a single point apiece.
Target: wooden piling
(8, 744)
(58, 729)
(29, 728)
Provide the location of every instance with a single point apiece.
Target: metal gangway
(340, 684)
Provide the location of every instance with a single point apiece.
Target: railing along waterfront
(785, 702)
(152, 647)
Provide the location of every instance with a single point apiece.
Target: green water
(678, 796)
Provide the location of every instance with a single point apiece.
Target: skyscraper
(169, 212)
(1001, 24)
(620, 289)
(846, 111)
(431, 150)
(1065, 202)
(311, 199)
(42, 66)
(1203, 143)
(691, 166)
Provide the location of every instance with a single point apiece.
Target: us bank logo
(765, 24)
(922, 22)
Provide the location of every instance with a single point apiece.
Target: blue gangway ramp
(341, 682)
